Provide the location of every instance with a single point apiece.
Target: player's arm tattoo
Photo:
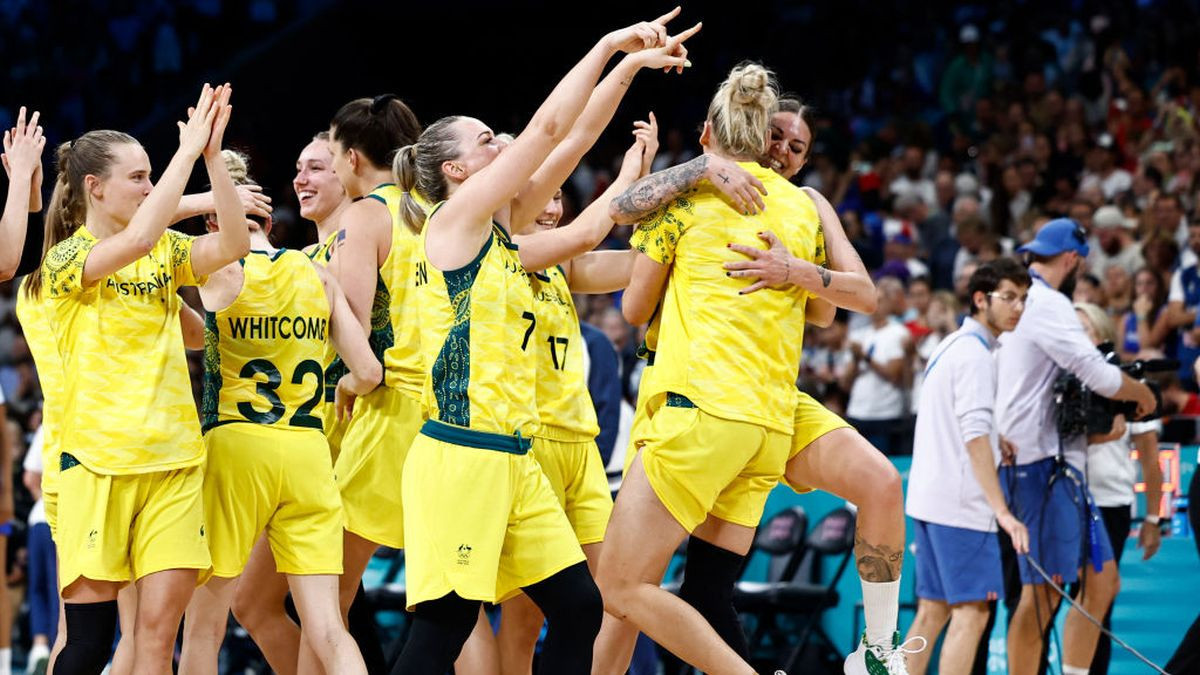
(876, 563)
(826, 277)
(656, 190)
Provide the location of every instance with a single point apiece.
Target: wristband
(1152, 519)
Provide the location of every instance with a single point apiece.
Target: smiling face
(550, 216)
(477, 148)
(118, 194)
(787, 150)
(316, 184)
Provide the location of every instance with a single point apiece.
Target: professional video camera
(1079, 410)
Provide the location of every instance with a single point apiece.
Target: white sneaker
(871, 659)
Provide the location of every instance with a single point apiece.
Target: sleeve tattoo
(658, 189)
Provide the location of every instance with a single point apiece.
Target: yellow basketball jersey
(35, 324)
(477, 340)
(565, 408)
(127, 404)
(735, 356)
(262, 353)
(402, 365)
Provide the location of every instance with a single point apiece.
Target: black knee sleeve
(439, 630)
(573, 608)
(362, 629)
(91, 628)
(709, 575)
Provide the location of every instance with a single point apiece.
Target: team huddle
(416, 379)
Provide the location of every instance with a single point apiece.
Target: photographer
(1046, 489)
(1111, 475)
(954, 496)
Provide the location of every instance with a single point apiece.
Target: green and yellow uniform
(565, 442)
(386, 420)
(268, 461)
(480, 517)
(130, 501)
(333, 367)
(723, 383)
(35, 324)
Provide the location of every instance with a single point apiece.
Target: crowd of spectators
(951, 147)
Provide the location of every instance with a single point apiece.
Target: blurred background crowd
(944, 133)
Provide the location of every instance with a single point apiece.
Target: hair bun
(749, 83)
(379, 103)
(238, 166)
(61, 156)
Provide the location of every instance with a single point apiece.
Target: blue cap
(1058, 236)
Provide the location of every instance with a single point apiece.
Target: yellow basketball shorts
(480, 520)
(280, 481)
(371, 463)
(122, 528)
(813, 420)
(699, 464)
(50, 502)
(577, 477)
(334, 430)
(646, 406)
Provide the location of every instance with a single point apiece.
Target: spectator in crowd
(1112, 243)
(912, 181)
(1183, 301)
(940, 320)
(879, 372)
(1145, 329)
(43, 568)
(1089, 289)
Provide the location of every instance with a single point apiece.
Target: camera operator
(954, 496)
(1111, 475)
(1046, 489)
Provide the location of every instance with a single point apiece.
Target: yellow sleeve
(180, 247)
(658, 235)
(62, 270)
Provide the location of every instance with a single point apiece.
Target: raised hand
(631, 165)
(194, 134)
(642, 35)
(223, 111)
(254, 201)
(23, 145)
(647, 134)
(672, 54)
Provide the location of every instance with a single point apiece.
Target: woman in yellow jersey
(481, 521)
(724, 386)
(827, 453)
(564, 444)
(270, 316)
(22, 161)
(258, 603)
(130, 505)
(371, 261)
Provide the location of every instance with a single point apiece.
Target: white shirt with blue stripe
(1048, 340)
(955, 407)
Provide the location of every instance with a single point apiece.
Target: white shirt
(1048, 339)
(33, 463)
(956, 407)
(871, 396)
(1111, 472)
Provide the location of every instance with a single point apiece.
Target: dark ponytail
(376, 127)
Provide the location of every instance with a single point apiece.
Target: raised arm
(463, 222)
(659, 189)
(154, 215)
(231, 241)
(547, 248)
(591, 122)
(22, 160)
(253, 201)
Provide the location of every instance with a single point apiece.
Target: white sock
(6, 661)
(881, 605)
(38, 651)
(1075, 670)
